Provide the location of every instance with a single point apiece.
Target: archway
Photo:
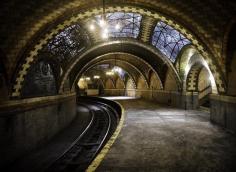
(165, 22)
(204, 87)
(130, 88)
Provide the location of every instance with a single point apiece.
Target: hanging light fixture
(87, 78)
(103, 24)
(96, 77)
(92, 27)
(117, 27)
(110, 73)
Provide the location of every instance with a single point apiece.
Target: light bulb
(96, 77)
(117, 27)
(110, 73)
(104, 35)
(102, 23)
(92, 27)
(105, 30)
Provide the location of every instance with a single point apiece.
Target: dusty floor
(157, 138)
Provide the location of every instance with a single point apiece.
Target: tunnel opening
(127, 74)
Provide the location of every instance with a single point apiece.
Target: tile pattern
(34, 51)
(192, 78)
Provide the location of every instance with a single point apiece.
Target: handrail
(205, 89)
(205, 92)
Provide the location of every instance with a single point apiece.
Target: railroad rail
(85, 148)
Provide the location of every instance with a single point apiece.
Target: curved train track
(85, 148)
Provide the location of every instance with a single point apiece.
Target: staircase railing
(205, 92)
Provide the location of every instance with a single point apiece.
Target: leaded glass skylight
(168, 40)
(121, 24)
(68, 43)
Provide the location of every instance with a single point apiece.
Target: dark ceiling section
(95, 71)
(122, 46)
(231, 47)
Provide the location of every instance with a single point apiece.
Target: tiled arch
(80, 16)
(192, 78)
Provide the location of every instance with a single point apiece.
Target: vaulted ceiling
(25, 24)
(22, 19)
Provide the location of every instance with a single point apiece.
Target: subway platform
(160, 138)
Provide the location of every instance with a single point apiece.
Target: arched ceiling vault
(43, 12)
(132, 73)
(192, 78)
(149, 54)
(183, 59)
(47, 18)
(132, 70)
(95, 70)
(159, 63)
(141, 65)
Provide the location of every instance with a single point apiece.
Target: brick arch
(192, 78)
(138, 70)
(90, 66)
(154, 81)
(32, 54)
(102, 83)
(111, 83)
(151, 73)
(48, 11)
(183, 58)
(141, 83)
(130, 81)
(127, 46)
(146, 72)
(119, 80)
(131, 66)
(204, 81)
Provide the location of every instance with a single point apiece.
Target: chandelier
(103, 24)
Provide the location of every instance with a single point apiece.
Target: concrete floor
(159, 138)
